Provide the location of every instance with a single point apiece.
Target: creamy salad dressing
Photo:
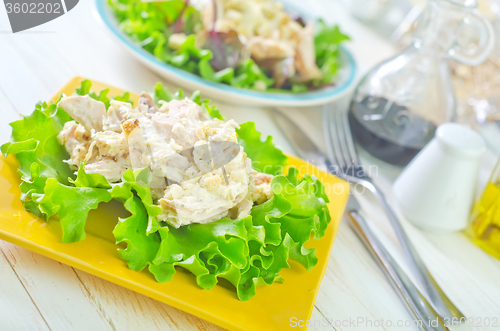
(174, 142)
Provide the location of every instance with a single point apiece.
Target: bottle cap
(460, 139)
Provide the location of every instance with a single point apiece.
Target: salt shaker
(436, 190)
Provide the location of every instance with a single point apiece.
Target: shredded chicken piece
(111, 144)
(88, 112)
(265, 48)
(77, 141)
(262, 188)
(147, 101)
(130, 125)
(111, 168)
(137, 145)
(305, 59)
(199, 172)
(176, 40)
(117, 112)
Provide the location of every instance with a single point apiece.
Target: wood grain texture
(17, 310)
(7, 114)
(56, 290)
(143, 313)
(354, 291)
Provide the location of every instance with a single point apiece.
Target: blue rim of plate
(103, 13)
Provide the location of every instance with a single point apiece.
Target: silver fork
(342, 153)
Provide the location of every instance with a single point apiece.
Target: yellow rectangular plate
(272, 307)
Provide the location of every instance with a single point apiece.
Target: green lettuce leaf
(327, 45)
(34, 143)
(70, 203)
(85, 87)
(84, 179)
(216, 249)
(264, 155)
(34, 140)
(137, 183)
(72, 206)
(250, 76)
(299, 208)
(141, 247)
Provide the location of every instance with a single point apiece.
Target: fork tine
(334, 138)
(327, 135)
(350, 140)
(340, 126)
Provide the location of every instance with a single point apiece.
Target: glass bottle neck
(440, 24)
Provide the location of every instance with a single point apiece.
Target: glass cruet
(485, 216)
(398, 105)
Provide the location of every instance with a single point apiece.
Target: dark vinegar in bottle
(388, 131)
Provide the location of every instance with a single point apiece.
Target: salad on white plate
(255, 52)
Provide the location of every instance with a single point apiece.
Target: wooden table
(37, 293)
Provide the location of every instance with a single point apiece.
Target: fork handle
(437, 298)
(415, 302)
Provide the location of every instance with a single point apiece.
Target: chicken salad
(80, 151)
(260, 45)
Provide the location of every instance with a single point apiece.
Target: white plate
(344, 81)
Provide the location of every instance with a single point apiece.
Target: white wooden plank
(7, 114)
(128, 310)
(4, 25)
(18, 82)
(354, 287)
(17, 310)
(90, 52)
(56, 290)
(46, 63)
(318, 321)
(31, 64)
(43, 61)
